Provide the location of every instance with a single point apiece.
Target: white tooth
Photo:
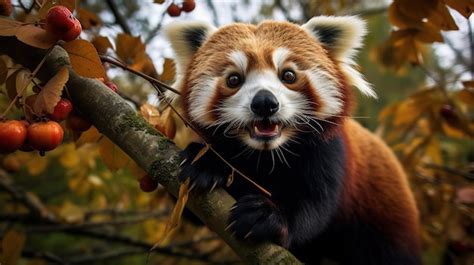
(256, 129)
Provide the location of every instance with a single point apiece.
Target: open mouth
(265, 130)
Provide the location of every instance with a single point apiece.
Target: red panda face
(264, 84)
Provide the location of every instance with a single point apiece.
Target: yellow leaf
(90, 136)
(150, 113)
(36, 165)
(465, 7)
(71, 212)
(201, 153)
(8, 27)
(70, 4)
(175, 217)
(453, 131)
(50, 95)
(112, 156)
(84, 59)
(87, 18)
(12, 245)
(69, 157)
(169, 70)
(101, 44)
(433, 150)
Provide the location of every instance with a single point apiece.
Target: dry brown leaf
(50, 95)
(112, 156)
(201, 153)
(12, 245)
(8, 27)
(130, 50)
(87, 18)
(35, 36)
(465, 7)
(175, 217)
(441, 18)
(167, 125)
(3, 71)
(84, 59)
(150, 113)
(169, 70)
(102, 44)
(70, 4)
(16, 84)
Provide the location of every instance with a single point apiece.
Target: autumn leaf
(8, 27)
(90, 136)
(441, 18)
(84, 59)
(87, 18)
(201, 153)
(12, 245)
(112, 156)
(166, 124)
(71, 213)
(102, 44)
(466, 96)
(169, 70)
(150, 114)
(175, 217)
(465, 7)
(130, 50)
(70, 4)
(35, 36)
(17, 82)
(50, 95)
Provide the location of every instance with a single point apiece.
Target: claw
(193, 185)
(233, 207)
(248, 234)
(229, 226)
(182, 162)
(213, 186)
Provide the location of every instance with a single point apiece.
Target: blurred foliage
(81, 203)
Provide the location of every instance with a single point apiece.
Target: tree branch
(118, 17)
(155, 154)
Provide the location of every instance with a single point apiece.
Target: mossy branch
(118, 121)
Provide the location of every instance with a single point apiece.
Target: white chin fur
(264, 145)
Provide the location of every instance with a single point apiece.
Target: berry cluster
(62, 24)
(187, 6)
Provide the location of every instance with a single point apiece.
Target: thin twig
(215, 17)
(471, 45)
(155, 30)
(118, 17)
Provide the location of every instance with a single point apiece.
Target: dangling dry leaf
(201, 153)
(51, 92)
(70, 4)
(3, 71)
(84, 59)
(90, 136)
(466, 96)
(169, 70)
(16, 84)
(12, 245)
(150, 114)
(130, 50)
(102, 44)
(8, 27)
(441, 18)
(35, 36)
(166, 124)
(87, 18)
(175, 217)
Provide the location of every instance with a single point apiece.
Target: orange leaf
(101, 44)
(12, 245)
(150, 114)
(87, 18)
(84, 59)
(169, 70)
(51, 92)
(201, 153)
(166, 124)
(130, 49)
(441, 18)
(35, 36)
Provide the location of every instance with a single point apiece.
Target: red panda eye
(234, 80)
(288, 76)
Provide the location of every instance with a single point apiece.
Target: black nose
(264, 104)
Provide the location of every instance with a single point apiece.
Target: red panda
(275, 100)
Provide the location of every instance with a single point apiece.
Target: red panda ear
(186, 38)
(341, 37)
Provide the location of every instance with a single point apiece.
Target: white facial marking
(327, 91)
(201, 94)
(279, 56)
(240, 60)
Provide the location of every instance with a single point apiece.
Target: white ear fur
(185, 39)
(341, 37)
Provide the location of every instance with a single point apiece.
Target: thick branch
(158, 156)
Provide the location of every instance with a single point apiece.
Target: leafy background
(81, 203)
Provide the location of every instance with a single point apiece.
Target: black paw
(257, 219)
(206, 173)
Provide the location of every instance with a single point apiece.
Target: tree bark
(114, 117)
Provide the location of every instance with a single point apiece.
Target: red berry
(112, 86)
(188, 6)
(59, 21)
(174, 10)
(147, 184)
(61, 110)
(12, 135)
(74, 32)
(448, 112)
(78, 123)
(6, 8)
(45, 136)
